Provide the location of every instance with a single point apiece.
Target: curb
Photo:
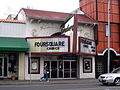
(37, 82)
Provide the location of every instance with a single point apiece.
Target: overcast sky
(13, 6)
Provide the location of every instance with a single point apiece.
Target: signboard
(49, 44)
(87, 46)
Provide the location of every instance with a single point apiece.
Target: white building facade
(49, 43)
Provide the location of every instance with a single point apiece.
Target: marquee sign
(49, 44)
(87, 46)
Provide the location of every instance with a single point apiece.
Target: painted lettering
(46, 44)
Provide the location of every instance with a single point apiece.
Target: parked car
(110, 78)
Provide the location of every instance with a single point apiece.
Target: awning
(13, 44)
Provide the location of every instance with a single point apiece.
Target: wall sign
(87, 65)
(49, 44)
(35, 65)
(87, 46)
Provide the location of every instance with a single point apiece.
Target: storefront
(55, 51)
(8, 65)
(61, 63)
(59, 66)
(10, 58)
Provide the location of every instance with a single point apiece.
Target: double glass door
(70, 69)
(62, 69)
(3, 67)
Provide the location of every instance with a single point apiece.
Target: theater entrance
(62, 69)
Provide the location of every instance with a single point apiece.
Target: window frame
(34, 69)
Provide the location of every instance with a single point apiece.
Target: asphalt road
(70, 86)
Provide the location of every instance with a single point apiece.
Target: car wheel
(117, 81)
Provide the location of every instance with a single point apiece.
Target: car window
(117, 70)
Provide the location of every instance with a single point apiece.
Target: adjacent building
(98, 10)
(13, 47)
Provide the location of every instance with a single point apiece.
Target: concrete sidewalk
(37, 82)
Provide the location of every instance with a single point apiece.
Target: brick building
(98, 10)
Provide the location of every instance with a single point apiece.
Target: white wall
(42, 28)
(34, 76)
(12, 30)
(84, 30)
(39, 27)
(86, 75)
(70, 33)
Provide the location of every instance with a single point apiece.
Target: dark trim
(75, 34)
(110, 13)
(96, 11)
(107, 22)
(50, 53)
(106, 3)
(57, 34)
(96, 34)
(48, 37)
(111, 32)
(111, 42)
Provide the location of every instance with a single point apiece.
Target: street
(90, 85)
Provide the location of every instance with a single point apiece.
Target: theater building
(68, 50)
(98, 10)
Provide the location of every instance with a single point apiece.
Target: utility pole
(108, 68)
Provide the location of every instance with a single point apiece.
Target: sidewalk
(37, 82)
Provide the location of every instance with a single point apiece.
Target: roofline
(44, 10)
(70, 15)
(18, 13)
(67, 18)
(40, 18)
(12, 21)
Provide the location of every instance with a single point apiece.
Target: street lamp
(108, 68)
